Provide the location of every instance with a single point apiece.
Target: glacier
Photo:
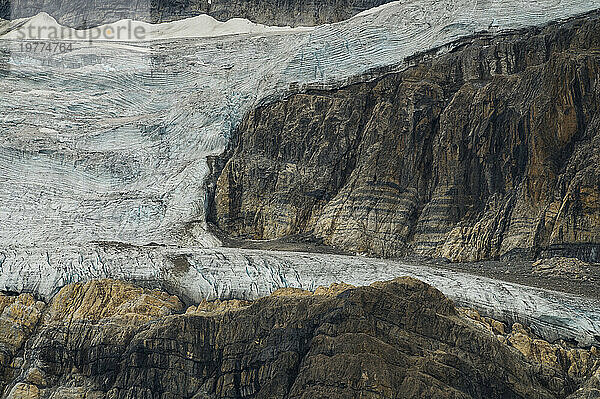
(103, 150)
(195, 274)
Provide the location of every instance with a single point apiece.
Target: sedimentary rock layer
(398, 339)
(488, 151)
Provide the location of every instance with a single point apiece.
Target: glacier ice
(199, 273)
(107, 143)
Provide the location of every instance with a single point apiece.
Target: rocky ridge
(401, 338)
(489, 151)
(579, 364)
(79, 14)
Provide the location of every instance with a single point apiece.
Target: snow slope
(45, 27)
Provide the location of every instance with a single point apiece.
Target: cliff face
(271, 12)
(488, 151)
(398, 339)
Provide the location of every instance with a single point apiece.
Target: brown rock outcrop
(109, 299)
(488, 151)
(396, 339)
(571, 268)
(83, 330)
(18, 317)
(580, 365)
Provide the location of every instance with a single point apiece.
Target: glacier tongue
(107, 142)
(212, 273)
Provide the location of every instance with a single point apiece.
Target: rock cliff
(270, 12)
(396, 339)
(489, 151)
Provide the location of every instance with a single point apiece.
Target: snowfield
(45, 27)
(107, 142)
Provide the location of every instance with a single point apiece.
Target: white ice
(212, 273)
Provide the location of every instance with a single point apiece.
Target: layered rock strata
(489, 151)
(397, 339)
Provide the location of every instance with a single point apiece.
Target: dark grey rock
(489, 151)
(396, 339)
